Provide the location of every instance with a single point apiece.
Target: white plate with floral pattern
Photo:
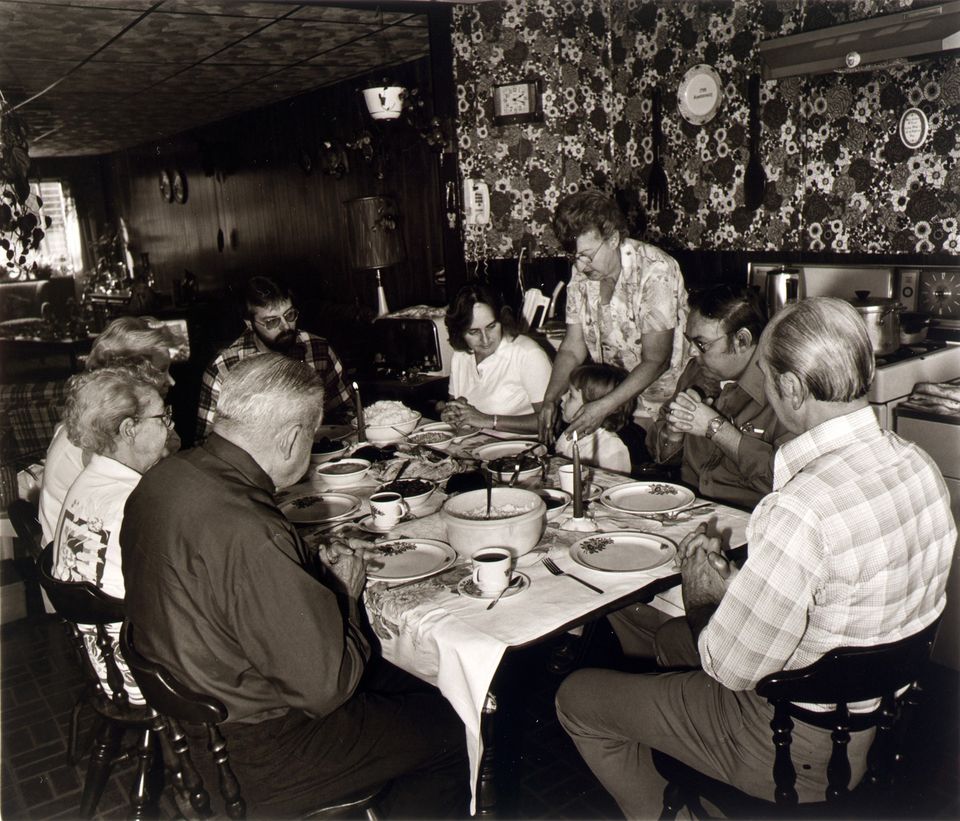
(623, 551)
(406, 560)
(314, 507)
(647, 497)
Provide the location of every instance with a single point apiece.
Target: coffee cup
(387, 508)
(492, 568)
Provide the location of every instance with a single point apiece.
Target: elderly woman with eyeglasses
(497, 375)
(626, 306)
(121, 420)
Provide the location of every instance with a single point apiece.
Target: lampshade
(373, 232)
(384, 102)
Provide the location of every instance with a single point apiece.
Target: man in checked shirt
(271, 326)
(852, 548)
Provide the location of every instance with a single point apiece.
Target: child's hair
(596, 380)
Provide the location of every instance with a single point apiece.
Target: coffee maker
(784, 285)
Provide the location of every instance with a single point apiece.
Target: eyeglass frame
(271, 323)
(701, 346)
(579, 256)
(166, 417)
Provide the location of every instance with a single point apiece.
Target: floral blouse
(649, 296)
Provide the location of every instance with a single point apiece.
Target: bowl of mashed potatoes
(516, 520)
(389, 421)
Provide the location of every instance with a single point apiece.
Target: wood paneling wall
(276, 219)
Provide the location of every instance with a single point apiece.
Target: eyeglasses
(584, 258)
(271, 323)
(702, 346)
(166, 416)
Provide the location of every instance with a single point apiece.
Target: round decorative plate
(647, 497)
(313, 507)
(623, 551)
(468, 587)
(406, 560)
(166, 186)
(913, 128)
(699, 94)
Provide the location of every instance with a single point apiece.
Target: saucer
(366, 523)
(468, 587)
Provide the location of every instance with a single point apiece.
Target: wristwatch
(714, 425)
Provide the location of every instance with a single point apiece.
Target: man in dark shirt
(224, 593)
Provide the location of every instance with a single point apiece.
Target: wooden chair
(23, 517)
(81, 603)
(174, 702)
(844, 676)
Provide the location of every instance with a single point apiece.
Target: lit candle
(577, 481)
(358, 406)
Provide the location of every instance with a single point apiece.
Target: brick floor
(541, 774)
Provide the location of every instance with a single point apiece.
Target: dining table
(433, 630)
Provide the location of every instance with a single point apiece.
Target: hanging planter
(384, 102)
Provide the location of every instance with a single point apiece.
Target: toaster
(413, 340)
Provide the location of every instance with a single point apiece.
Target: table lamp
(374, 238)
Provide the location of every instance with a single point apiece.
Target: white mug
(387, 508)
(492, 568)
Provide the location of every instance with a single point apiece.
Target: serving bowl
(499, 459)
(325, 450)
(518, 528)
(556, 501)
(434, 437)
(394, 432)
(415, 492)
(342, 472)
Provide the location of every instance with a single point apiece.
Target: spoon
(516, 474)
(400, 472)
(513, 583)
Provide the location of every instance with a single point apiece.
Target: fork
(552, 567)
(657, 191)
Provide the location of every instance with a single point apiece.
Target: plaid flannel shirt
(851, 548)
(317, 353)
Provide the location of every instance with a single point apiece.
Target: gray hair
(131, 337)
(824, 342)
(98, 402)
(265, 392)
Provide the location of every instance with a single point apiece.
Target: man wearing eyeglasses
(719, 421)
(271, 327)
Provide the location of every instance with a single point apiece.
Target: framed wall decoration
(179, 185)
(166, 186)
(913, 128)
(519, 102)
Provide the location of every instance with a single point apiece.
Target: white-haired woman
(128, 340)
(121, 420)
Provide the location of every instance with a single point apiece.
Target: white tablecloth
(455, 643)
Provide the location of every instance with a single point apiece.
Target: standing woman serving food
(497, 375)
(626, 306)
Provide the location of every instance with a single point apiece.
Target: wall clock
(913, 128)
(179, 184)
(939, 294)
(166, 187)
(699, 95)
(517, 103)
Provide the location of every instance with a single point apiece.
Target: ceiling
(94, 76)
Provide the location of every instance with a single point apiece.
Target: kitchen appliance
(783, 285)
(936, 359)
(938, 433)
(413, 340)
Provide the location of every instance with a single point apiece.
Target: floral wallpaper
(839, 178)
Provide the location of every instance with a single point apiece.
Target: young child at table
(618, 444)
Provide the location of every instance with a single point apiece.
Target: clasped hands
(461, 414)
(706, 573)
(586, 420)
(347, 561)
(689, 413)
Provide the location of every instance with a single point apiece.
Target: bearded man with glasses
(271, 327)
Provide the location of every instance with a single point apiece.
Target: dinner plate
(468, 587)
(494, 450)
(647, 497)
(406, 560)
(312, 507)
(334, 432)
(507, 435)
(437, 426)
(623, 551)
